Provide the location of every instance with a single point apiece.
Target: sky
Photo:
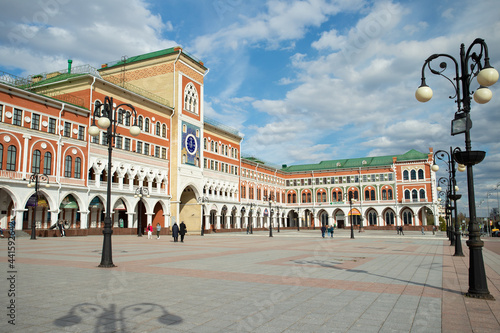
(302, 81)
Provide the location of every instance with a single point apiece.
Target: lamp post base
(106, 258)
(478, 286)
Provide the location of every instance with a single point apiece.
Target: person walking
(175, 232)
(158, 228)
(323, 230)
(330, 231)
(61, 228)
(423, 231)
(150, 231)
(401, 231)
(433, 229)
(182, 231)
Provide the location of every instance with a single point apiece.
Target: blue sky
(303, 81)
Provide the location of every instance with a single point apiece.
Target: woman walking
(182, 231)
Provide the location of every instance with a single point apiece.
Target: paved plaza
(234, 282)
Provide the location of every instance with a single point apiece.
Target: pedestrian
(433, 229)
(323, 230)
(182, 231)
(401, 231)
(61, 228)
(423, 231)
(158, 228)
(150, 231)
(397, 229)
(330, 230)
(175, 232)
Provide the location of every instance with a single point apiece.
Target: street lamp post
(203, 200)
(270, 198)
(35, 180)
(346, 195)
(486, 76)
(278, 217)
(140, 192)
(107, 114)
(298, 219)
(452, 195)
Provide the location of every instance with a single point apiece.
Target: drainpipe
(58, 169)
(89, 140)
(170, 150)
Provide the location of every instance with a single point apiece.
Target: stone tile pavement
(234, 282)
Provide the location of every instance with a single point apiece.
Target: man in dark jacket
(182, 231)
(175, 232)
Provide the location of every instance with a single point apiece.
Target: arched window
(140, 124)
(120, 116)
(389, 194)
(164, 130)
(389, 218)
(289, 197)
(294, 197)
(158, 128)
(146, 125)
(1, 156)
(372, 218)
(309, 197)
(78, 167)
(413, 175)
(190, 98)
(414, 195)
(47, 163)
(407, 195)
(422, 194)
(420, 174)
(67, 167)
(406, 175)
(407, 217)
(35, 161)
(353, 194)
(11, 158)
(128, 115)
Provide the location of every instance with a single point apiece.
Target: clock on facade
(191, 144)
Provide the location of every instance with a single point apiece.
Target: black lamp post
(445, 195)
(140, 192)
(452, 195)
(270, 198)
(278, 217)
(486, 76)
(107, 114)
(203, 200)
(298, 219)
(346, 195)
(35, 180)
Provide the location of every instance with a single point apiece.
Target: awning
(32, 202)
(354, 211)
(69, 203)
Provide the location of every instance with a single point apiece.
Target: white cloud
(42, 36)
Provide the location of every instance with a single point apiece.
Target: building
(187, 167)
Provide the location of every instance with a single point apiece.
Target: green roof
(357, 162)
(150, 55)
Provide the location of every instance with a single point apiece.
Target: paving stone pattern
(234, 282)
